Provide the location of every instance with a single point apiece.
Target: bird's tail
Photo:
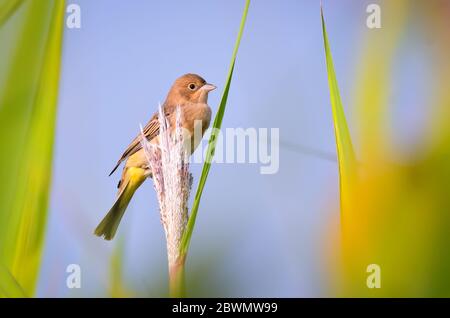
(108, 226)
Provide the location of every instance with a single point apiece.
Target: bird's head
(189, 88)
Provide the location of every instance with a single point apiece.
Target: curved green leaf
(31, 44)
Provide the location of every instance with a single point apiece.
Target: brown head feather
(185, 89)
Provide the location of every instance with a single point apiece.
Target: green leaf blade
(344, 146)
(213, 140)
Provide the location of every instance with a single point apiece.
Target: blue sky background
(256, 235)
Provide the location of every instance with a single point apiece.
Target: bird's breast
(196, 116)
(196, 119)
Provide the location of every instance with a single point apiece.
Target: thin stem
(177, 287)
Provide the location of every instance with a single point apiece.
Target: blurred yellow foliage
(399, 216)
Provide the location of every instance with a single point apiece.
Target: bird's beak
(208, 87)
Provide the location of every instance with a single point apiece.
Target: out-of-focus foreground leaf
(9, 287)
(30, 54)
(399, 214)
(118, 287)
(7, 8)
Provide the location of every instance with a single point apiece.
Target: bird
(190, 93)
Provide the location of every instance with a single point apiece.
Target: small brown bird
(190, 93)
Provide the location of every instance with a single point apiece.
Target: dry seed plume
(172, 181)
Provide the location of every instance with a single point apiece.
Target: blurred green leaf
(9, 287)
(118, 288)
(7, 8)
(31, 43)
(213, 140)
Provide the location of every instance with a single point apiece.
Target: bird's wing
(151, 130)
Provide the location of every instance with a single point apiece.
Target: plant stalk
(177, 287)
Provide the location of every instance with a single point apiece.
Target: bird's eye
(192, 86)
